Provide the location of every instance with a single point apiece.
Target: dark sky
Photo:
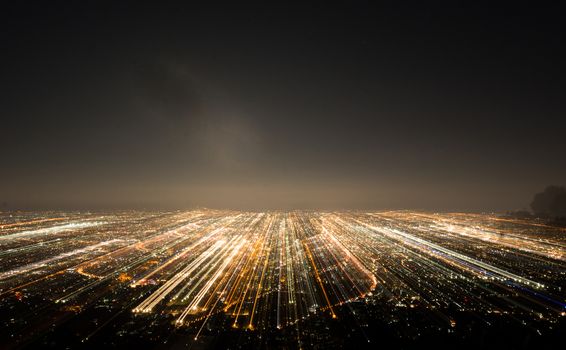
(428, 105)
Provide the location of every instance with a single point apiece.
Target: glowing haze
(320, 106)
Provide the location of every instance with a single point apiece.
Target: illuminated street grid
(272, 270)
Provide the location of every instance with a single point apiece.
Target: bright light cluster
(274, 269)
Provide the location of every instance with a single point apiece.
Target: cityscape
(294, 279)
(282, 175)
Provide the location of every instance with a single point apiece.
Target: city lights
(275, 270)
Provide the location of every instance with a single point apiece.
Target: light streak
(51, 230)
(276, 269)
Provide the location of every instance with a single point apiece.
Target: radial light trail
(275, 270)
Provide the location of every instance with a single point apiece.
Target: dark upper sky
(431, 105)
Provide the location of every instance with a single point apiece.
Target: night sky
(330, 105)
